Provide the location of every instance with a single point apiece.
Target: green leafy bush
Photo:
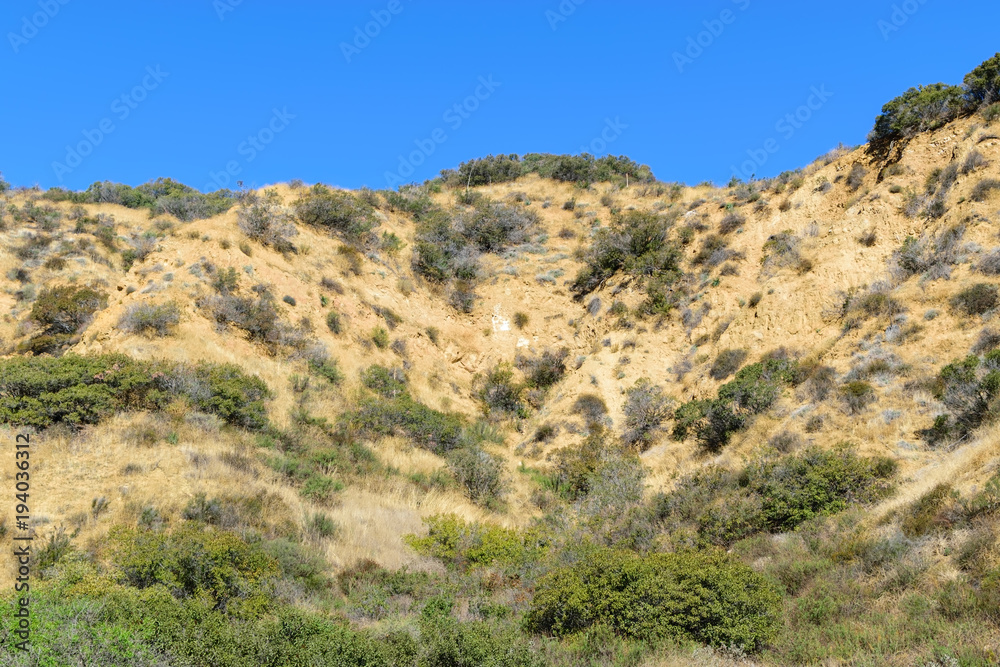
(63, 311)
(499, 392)
(339, 211)
(77, 390)
(772, 493)
(706, 597)
(428, 428)
(982, 84)
(917, 110)
(636, 244)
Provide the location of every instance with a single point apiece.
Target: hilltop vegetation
(541, 410)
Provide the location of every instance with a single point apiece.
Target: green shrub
(500, 393)
(977, 299)
(428, 428)
(544, 370)
(290, 300)
(706, 597)
(380, 337)
(929, 512)
(982, 84)
(340, 212)
(731, 222)
(772, 493)
(66, 309)
(857, 177)
(75, 390)
(636, 243)
(520, 320)
(857, 396)
(917, 110)
(152, 319)
(383, 381)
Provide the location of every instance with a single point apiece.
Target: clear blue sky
(226, 66)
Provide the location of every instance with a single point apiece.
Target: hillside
(475, 388)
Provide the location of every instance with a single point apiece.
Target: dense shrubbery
(500, 393)
(726, 363)
(448, 246)
(771, 494)
(61, 312)
(970, 389)
(341, 212)
(161, 196)
(636, 244)
(753, 391)
(977, 299)
(929, 107)
(572, 168)
(708, 597)
(76, 390)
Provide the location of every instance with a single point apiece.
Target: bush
(520, 320)
(773, 493)
(545, 370)
(646, 408)
(499, 393)
(726, 363)
(334, 322)
(731, 223)
(857, 177)
(66, 309)
(868, 239)
(264, 219)
(480, 473)
(636, 243)
(983, 83)
(76, 391)
(437, 431)
(977, 299)
(591, 407)
(340, 212)
(857, 396)
(380, 337)
(383, 381)
(151, 319)
(989, 263)
(705, 597)
(973, 161)
(917, 110)
(983, 188)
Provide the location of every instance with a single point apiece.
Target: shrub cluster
(61, 312)
(636, 244)
(264, 219)
(350, 217)
(707, 597)
(646, 408)
(582, 168)
(754, 390)
(162, 196)
(772, 494)
(970, 389)
(74, 390)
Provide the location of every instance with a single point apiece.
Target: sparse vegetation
(151, 319)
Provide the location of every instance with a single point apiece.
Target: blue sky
(212, 91)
